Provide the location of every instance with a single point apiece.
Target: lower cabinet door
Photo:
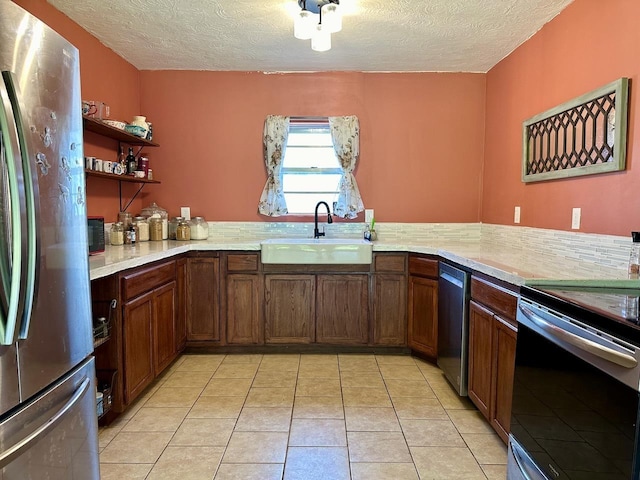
(138, 345)
(203, 315)
(480, 357)
(289, 308)
(164, 318)
(390, 310)
(504, 357)
(423, 315)
(243, 309)
(342, 309)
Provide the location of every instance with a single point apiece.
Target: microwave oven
(95, 231)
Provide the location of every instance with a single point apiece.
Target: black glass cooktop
(614, 309)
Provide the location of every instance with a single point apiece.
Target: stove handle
(626, 361)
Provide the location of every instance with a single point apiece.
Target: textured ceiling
(257, 35)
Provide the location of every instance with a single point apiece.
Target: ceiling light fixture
(317, 20)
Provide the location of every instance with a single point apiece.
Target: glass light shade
(332, 17)
(304, 25)
(321, 40)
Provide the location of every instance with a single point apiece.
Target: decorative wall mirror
(584, 136)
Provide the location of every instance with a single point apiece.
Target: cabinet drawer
(146, 279)
(424, 267)
(246, 262)
(389, 263)
(498, 299)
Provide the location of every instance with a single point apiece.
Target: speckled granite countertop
(513, 265)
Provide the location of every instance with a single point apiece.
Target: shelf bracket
(124, 209)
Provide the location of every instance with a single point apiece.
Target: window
(310, 169)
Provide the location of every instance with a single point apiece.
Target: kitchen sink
(316, 251)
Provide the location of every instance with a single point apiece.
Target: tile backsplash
(603, 250)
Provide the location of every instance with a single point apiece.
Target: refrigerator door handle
(32, 254)
(13, 242)
(14, 451)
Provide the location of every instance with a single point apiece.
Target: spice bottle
(116, 234)
(130, 235)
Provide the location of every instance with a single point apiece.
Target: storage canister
(155, 229)
(143, 228)
(154, 210)
(183, 232)
(199, 228)
(173, 225)
(116, 234)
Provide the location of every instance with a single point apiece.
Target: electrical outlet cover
(575, 218)
(368, 215)
(516, 215)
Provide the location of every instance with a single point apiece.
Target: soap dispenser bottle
(630, 305)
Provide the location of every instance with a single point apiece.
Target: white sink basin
(316, 251)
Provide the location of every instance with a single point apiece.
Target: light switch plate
(575, 218)
(185, 212)
(516, 215)
(368, 215)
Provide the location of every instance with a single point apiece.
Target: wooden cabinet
(137, 323)
(390, 299)
(243, 299)
(423, 305)
(164, 322)
(504, 340)
(203, 311)
(181, 304)
(149, 325)
(290, 308)
(492, 349)
(480, 357)
(342, 309)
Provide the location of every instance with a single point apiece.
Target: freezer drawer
(56, 435)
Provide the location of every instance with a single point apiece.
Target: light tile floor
(301, 417)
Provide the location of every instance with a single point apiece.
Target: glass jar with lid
(173, 225)
(199, 228)
(154, 211)
(116, 234)
(155, 229)
(183, 231)
(143, 228)
(125, 218)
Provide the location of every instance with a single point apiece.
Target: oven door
(571, 419)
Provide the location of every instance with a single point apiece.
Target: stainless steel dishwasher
(453, 325)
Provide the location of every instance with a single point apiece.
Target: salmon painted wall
(590, 44)
(421, 144)
(106, 77)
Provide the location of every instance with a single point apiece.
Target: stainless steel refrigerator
(48, 426)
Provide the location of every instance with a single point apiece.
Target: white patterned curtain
(276, 131)
(345, 134)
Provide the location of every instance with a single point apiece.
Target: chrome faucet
(317, 233)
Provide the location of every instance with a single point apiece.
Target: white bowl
(115, 124)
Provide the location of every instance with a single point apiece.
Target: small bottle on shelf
(132, 163)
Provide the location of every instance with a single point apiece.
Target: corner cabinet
(149, 309)
(96, 126)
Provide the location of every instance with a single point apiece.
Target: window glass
(310, 169)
